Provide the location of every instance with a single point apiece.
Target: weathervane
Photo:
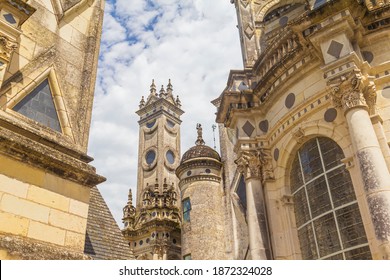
(214, 127)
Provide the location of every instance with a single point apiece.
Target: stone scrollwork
(256, 164)
(353, 90)
(7, 46)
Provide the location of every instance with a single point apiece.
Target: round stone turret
(201, 190)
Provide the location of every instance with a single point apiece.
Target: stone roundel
(264, 125)
(276, 154)
(290, 100)
(368, 56)
(330, 115)
(386, 92)
(283, 21)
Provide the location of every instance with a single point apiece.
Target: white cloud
(192, 42)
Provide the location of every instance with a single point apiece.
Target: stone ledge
(36, 154)
(29, 249)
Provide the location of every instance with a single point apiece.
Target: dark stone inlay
(10, 18)
(283, 21)
(276, 154)
(335, 49)
(248, 128)
(264, 125)
(368, 56)
(290, 100)
(330, 115)
(39, 106)
(386, 92)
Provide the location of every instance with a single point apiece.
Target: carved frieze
(7, 46)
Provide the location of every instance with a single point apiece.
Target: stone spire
(178, 102)
(130, 199)
(199, 140)
(142, 102)
(169, 88)
(153, 88)
(162, 91)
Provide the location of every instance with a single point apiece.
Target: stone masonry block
(13, 224)
(46, 233)
(67, 221)
(48, 198)
(24, 208)
(12, 186)
(78, 208)
(74, 240)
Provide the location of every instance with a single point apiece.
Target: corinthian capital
(7, 46)
(352, 90)
(255, 164)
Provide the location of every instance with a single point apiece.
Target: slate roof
(104, 240)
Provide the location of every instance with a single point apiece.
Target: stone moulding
(23, 248)
(33, 153)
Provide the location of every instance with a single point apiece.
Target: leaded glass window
(326, 211)
(186, 209)
(39, 106)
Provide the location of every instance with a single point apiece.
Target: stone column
(352, 92)
(249, 164)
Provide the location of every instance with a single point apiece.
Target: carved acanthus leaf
(350, 90)
(256, 164)
(7, 46)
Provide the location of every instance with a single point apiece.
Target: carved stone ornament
(256, 164)
(244, 3)
(7, 46)
(351, 90)
(299, 135)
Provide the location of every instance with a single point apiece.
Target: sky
(195, 43)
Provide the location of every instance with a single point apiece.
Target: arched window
(327, 215)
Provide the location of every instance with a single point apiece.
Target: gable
(39, 106)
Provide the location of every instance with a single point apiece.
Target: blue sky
(194, 43)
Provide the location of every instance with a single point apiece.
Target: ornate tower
(159, 139)
(153, 227)
(202, 195)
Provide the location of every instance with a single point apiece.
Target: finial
(153, 88)
(199, 140)
(156, 186)
(165, 186)
(169, 87)
(162, 91)
(178, 102)
(142, 102)
(130, 198)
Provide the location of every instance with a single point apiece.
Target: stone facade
(48, 62)
(309, 114)
(152, 228)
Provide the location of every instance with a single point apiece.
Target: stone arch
(262, 11)
(313, 130)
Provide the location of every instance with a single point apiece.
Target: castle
(303, 171)
(304, 165)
